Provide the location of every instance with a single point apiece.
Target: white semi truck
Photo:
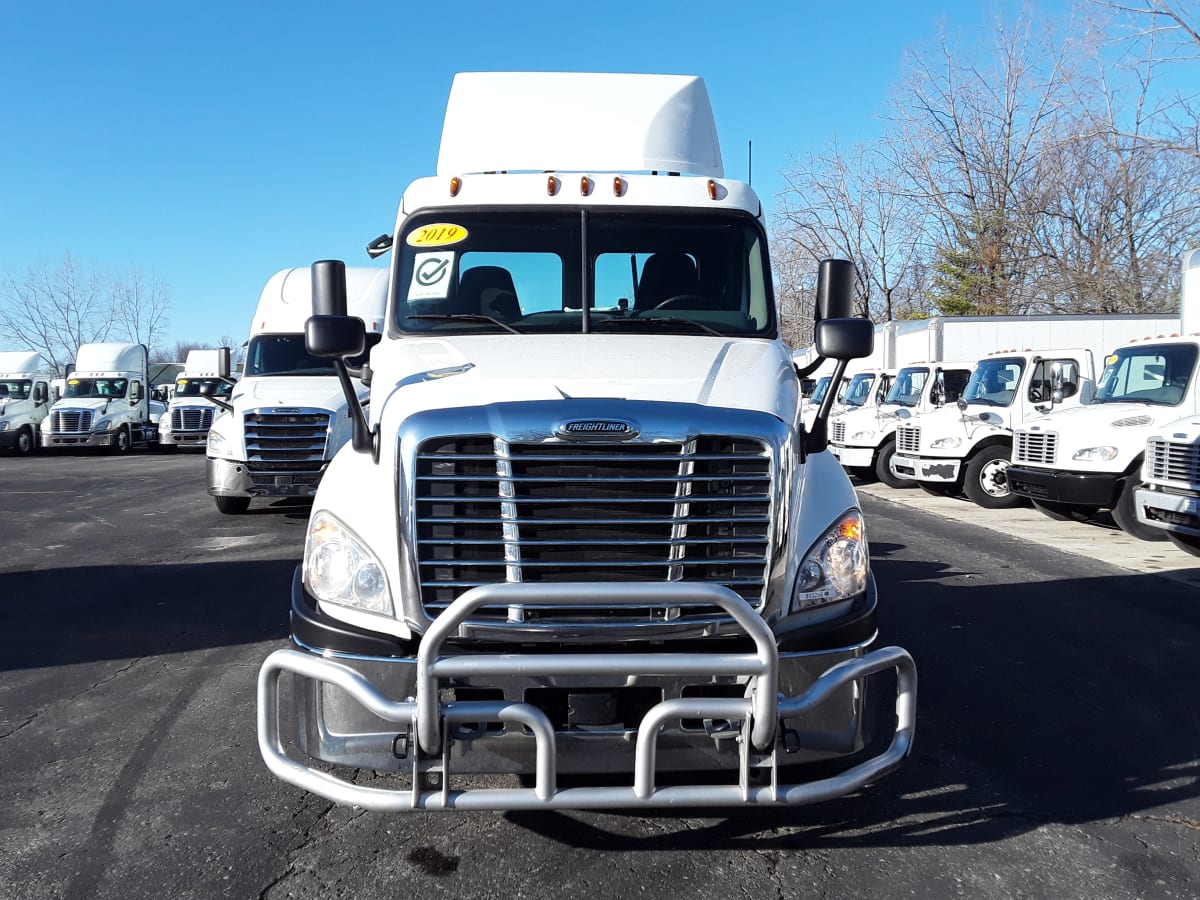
(582, 529)
(966, 448)
(105, 401)
(286, 417)
(1169, 497)
(190, 410)
(26, 392)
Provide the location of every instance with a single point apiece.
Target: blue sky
(212, 144)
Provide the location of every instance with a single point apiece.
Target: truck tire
(26, 442)
(1188, 543)
(883, 468)
(1064, 512)
(985, 481)
(1125, 515)
(232, 506)
(123, 442)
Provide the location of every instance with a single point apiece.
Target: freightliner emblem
(597, 430)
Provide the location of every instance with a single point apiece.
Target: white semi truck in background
(190, 412)
(580, 527)
(286, 417)
(966, 447)
(26, 392)
(105, 401)
(1169, 496)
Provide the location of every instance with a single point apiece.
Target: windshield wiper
(464, 317)
(658, 321)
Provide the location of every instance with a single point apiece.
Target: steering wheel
(686, 301)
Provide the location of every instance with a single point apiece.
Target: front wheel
(1188, 543)
(883, 468)
(232, 506)
(25, 442)
(1064, 512)
(986, 479)
(1125, 515)
(123, 442)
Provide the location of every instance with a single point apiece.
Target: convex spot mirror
(335, 337)
(1056, 383)
(843, 339)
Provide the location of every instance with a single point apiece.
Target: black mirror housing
(845, 339)
(335, 337)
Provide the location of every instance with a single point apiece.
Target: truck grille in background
(286, 443)
(908, 439)
(191, 418)
(491, 511)
(838, 432)
(1173, 461)
(71, 421)
(1035, 447)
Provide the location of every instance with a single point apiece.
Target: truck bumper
(1079, 488)
(1171, 512)
(96, 439)
(430, 716)
(8, 439)
(918, 468)
(183, 438)
(854, 457)
(232, 478)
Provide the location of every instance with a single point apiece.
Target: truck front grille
(71, 421)
(286, 440)
(908, 439)
(1173, 461)
(1035, 447)
(490, 511)
(837, 433)
(191, 418)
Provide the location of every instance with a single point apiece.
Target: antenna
(749, 162)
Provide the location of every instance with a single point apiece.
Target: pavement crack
(1169, 820)
(19, 727)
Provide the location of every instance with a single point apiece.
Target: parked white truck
(582, 529)
(1169, 496)
(190, 411)
(286, 417)
(105, 401)
(26, 393)
(966, 448)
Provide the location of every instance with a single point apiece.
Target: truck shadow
(1062, 702)
(54, 617)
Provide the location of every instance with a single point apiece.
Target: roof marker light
(618, 186)
(585, 186)
(552, 185)
(712, 189)
(455, 186)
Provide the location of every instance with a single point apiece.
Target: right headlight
(835, 567)
(338, 568)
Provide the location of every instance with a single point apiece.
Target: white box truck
(286, 416)
(105, 401)
(581, 529)
(26, 392)
(966, 448)
(1169, 496)
(190, 410)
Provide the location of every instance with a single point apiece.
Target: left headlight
(338, 568)
(102, 425)
(4, 425)
(862, 435)
(945, 443)
(1095, 454)
(835, 568)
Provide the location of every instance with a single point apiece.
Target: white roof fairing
(578, 122)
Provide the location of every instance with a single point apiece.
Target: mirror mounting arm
(363, 438)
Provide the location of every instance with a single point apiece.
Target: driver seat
(666, 275)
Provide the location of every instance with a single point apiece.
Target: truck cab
(580, 527)
(26, 393)
(1169, 497)
(190, 410)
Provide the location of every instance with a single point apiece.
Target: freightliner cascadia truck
(580, 529)
(25, 396)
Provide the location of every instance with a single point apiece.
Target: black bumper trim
(1081, 488)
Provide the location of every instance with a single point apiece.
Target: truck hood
(471, 371)
(92, 403)
(1102, 415)
(315, 391)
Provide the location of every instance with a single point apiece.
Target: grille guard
(431, 721)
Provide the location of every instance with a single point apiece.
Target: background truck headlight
(835, 568)
(1095, 454)
(945, 443)
(862, 436)
(338, 568)
(4, 425)
(102, 425)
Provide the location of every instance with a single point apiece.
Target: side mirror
(961, 404)
(1056, 383)
(845, 338)
(332, 334)
(39, 394)
(135, 393)
(335, 337)
(209, 391)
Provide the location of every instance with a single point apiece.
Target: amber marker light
(850, 529)
(455, 186)
(585, 186)
(712, 189)
(618, 186)
(552, 185)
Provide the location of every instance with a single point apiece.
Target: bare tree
(139, 307)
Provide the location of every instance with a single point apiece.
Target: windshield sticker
(431, 276)
(439, 235)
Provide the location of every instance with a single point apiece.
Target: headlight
(338, 568)
(836, 566)
(862, 436)
(945, 443)
(102, 425)
(1095, 454)
(216, 441)
(4, 425)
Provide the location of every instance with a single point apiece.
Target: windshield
(818, 393)
(192, 387)
(1148, 374)
(994, 382)
(15, 390)
(106, 388)
(642, 272)
(906, 389)
(860, 389)
(283, 354)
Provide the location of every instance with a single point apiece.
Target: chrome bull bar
(431, 722)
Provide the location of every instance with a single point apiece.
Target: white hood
(709, 371)
(314, 391)
(93, 403)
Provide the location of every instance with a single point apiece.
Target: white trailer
(105, 402)
(26, 392)
(580, 527)
(190, 410)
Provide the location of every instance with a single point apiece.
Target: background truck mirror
(845, 338)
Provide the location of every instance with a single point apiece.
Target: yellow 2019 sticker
(437, 235)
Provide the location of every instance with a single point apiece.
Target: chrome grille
(71, 421)
(1173, 461)
(908, 439)
(291, 440)
(191, 418)
(491, 511)
(838, 432)
(1035, 447)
